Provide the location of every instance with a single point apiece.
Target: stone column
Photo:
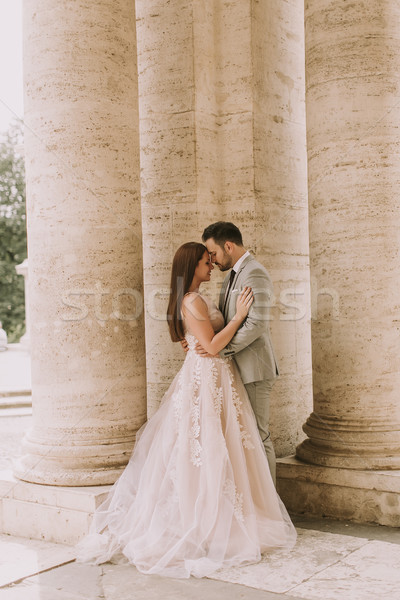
(264, 181)
(84, 240)
(22, 269)
(222, 121)
(281, 208)
(180, 161)
(353, 121)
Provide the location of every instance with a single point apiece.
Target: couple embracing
(198, 492)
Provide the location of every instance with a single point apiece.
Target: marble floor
(331, 561)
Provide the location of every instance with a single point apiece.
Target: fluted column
(353, 120)
(84, 240)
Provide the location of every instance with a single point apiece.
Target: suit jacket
(251, 345)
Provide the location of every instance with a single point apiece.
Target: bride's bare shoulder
(194, 304)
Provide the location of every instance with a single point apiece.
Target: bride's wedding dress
(197, 493)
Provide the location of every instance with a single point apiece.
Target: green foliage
(12, 232)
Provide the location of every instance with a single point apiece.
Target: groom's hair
(222, 232)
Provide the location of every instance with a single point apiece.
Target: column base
(362, 496)
(72, 465)
(44, 512)
(351, 444)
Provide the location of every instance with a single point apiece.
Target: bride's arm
(198, 322)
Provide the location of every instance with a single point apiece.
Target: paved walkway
(15, 371)
(15, 401)
(12, 430)
(331, 561)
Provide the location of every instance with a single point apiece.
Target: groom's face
(218, 255)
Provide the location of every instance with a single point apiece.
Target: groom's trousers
(259, 392)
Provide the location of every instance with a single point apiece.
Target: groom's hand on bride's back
(185, 345)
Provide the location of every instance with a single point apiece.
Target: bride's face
(204, 268)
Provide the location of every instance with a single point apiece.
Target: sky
(11, 88)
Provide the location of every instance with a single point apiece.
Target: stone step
(5, 395)
(45, 512)
(366, 496)
(16, 401)
(16, 406)
(16, 411)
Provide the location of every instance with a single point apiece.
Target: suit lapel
(244, 263)
(222, 293)
(229, 296)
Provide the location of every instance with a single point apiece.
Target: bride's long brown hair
(185, 261)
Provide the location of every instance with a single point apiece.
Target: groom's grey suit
(251, 346)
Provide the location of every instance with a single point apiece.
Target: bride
(197, 493)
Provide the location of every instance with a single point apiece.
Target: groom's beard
(226, 264)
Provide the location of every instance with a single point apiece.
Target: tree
(13, 248)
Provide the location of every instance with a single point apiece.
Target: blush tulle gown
(197, 493)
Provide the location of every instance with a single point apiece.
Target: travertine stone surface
(222, 122)
(179, 158)
(353, 119)
(54, 513)
(363, 496)
(279, 217)
(323, 564)
(264, 180)
(84, 240)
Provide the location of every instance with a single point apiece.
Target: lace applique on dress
(235, 498)
(244, 434)
(178, 401)
(190, 390)
(216, 391)
(195, 447)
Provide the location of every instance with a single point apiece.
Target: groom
(251, 346)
